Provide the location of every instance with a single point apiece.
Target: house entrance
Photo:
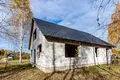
(34, 56)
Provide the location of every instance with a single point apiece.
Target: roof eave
(32, 23)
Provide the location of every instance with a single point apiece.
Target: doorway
(34, 56)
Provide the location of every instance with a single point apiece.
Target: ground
(16, 71)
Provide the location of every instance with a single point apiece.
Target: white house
(55, 47)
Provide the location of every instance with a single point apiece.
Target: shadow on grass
(49, 76)
(13, 69)
(87, 73)
(66, 74)
(112, 73)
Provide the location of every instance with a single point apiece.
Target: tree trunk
(21, 42)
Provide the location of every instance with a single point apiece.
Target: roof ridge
(56, 30)
(61, 25)
(67, 28)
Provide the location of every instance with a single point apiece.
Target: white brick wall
(57, 50)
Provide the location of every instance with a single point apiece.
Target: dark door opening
(107, 55)
(70, 50)
(34, 56)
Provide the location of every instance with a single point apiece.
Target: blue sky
(76, 14)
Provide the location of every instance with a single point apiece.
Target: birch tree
(21, 15)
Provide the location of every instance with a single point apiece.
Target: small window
(34, 51)
(40, 48)
(31, 52)
(96, 51)
(70, 50)
(35, 34)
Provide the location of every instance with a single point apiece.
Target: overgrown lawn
(24, 71)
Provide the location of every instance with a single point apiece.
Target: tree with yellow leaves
(114, 29)
(22, 15)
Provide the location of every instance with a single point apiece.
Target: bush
(116, 62)
(25, 56)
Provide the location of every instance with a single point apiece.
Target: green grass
(24, 71)
(12, 63)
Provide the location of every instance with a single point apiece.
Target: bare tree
(113, 27)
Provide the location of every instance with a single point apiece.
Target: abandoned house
(55, 47)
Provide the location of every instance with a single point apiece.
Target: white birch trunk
(21, 42)
(21, 32)
(21, 37)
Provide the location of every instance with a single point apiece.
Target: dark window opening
(107, 55)
(35, 34)
(31, 52)
(40, 48)
(70, 50)
(107, 49)
(34, 56)
(96, 51)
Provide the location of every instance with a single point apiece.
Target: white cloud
(57, 9)
(77, 14)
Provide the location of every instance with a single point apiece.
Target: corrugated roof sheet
(54, 30)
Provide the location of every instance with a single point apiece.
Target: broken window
(35, 34)
(70, 50)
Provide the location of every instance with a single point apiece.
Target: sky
(76, 14)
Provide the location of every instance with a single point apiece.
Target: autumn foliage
(4, 53)
(114, 29)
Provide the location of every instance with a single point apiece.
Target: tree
(21, 17)
(114, 29)
(114, 26)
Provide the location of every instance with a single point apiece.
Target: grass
(24, 71)
(12, 63)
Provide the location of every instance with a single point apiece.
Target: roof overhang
(74, 42)
(32, 25)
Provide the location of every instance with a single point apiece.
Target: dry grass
(24, 71)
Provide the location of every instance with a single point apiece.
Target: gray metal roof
(58, 31)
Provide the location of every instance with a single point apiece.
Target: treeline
(4, 53)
